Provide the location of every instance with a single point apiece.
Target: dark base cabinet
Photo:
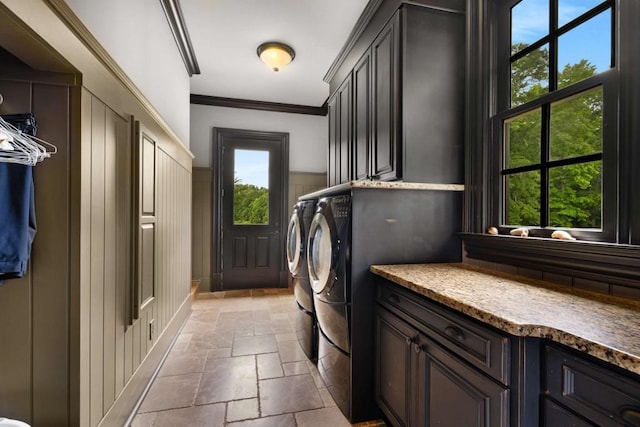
(435, 366)
(395, 365)
(600, 394)
(419, 384)
(450, 393)
(555, 415)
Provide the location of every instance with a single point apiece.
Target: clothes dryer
(356, 225)
(305, 320)
(329, 273)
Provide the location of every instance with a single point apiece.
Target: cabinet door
(394, 339)
(451, 393)
(556, 415)
(385, 141)
(332, 160)
(362, 117)
(344, 132)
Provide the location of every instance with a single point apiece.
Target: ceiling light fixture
(275, 54)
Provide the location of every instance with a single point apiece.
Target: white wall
(137, 35)
(307, 134)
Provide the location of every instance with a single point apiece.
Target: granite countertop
(390, 185)
(603, 326)
(400, 185)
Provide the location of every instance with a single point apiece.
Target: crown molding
(217, 101)
(173, 11)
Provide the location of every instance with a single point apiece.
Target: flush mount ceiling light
(275, 54)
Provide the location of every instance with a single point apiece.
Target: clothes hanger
(19, 147)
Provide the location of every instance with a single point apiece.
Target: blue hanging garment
(17, 219)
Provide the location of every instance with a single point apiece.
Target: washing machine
(329, 274)
(305, 320)
(355, 226)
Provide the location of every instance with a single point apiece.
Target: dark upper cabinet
(385, 162)
(333, 142)
(362, 117)
(408, 99)
(340, 135)
(345, 134)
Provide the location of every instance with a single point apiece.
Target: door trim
(219, 137)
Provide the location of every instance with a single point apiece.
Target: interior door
(252, 196)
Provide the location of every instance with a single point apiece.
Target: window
(555, 121)
(553, 135)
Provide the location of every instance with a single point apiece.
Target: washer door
(320, 253)
(295, 243)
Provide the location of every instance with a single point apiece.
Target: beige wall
(308, 135)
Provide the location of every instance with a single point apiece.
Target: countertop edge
(621, 359)
(387, 185)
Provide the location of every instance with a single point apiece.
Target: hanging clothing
(17, 219)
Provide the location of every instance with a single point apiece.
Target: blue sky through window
(252, 167)
(591, 40)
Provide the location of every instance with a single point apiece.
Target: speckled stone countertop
(389, 185)
(406, 185)
(600, 325)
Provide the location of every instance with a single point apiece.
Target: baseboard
(205, 284)
(124, 408)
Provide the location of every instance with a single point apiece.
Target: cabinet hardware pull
(417, 348)
(454, 332)
(394, 299)
(631, 416)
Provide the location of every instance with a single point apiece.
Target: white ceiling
(226, 33)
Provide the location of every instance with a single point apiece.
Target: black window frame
(613, 255)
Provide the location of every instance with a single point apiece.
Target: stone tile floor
(237, 363)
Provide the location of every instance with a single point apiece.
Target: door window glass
(320, 253)
(294, 240)
(251, 187)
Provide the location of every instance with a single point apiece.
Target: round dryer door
(319, 253)
(295, 245)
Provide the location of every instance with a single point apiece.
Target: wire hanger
(17, 146)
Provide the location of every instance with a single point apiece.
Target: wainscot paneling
(201, 221)
(37, 330)
(116, 348)
(301, 183)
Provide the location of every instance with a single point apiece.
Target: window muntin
(552, 130)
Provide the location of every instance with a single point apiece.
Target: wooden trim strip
(75, 25)
(217, 101)
(603, 262)
(173, 11)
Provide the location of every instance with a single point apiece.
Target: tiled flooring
(237, 363)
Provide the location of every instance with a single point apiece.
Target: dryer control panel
(341, 206)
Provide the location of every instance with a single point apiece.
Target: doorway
(251, 172)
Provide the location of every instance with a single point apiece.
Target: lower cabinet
(437, 367)
(418, 383)
(599, 394)
(450, 393)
